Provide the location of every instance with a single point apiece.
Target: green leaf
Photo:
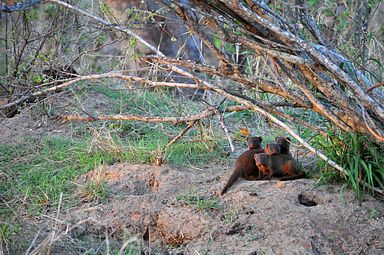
(216, 42)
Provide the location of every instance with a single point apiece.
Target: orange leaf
(245, 132)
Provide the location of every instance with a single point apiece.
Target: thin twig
(375, 86)
(125, 244)
(227, 135)
(55, 225)
(185, 130)
(175, 120)
(33, 242)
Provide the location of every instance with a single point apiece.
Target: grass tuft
(202, 203)
(363, 160)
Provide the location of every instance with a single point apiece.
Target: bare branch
(185, 130)
(375, 86)
(175, 120)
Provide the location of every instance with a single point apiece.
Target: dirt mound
(177, 211)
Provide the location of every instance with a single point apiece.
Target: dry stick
(185, 130)
(375, 86)
(377, 133)
(237, 99)
(205, 114)
(174, 120)
(221, 118)
(107, 240)
(125, 244)
(55, 225)
(47, 240)
(117, 75)
(33, 242)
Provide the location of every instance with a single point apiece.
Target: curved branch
(101, 76)
(375, 86)
(259, 83)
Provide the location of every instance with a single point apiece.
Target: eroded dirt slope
(159, 205)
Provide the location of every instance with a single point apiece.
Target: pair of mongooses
(256, 162)
(277, 161)
(245, 165)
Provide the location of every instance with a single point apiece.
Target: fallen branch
(116, 75)
(175, 120)
(185, 130)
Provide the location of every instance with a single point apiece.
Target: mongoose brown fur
(272, 149)
(284, 145)
(272, 164)
(280, 165)
(245, 165)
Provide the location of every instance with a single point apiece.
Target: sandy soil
(262, 217)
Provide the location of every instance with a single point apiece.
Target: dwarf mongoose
(245, 165)
(272, 149)
(284, 144)
(271, 164)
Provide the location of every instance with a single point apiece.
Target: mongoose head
(263, 163)
(283, 141)
(261, 159)
(272, 149)
(254, 142)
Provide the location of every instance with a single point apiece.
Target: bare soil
(262, 217)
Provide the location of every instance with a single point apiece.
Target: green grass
(146, 102)
(202, 203)
(363, 160)
(35, 173)
(39, 172)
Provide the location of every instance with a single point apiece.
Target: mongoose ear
(289, 139)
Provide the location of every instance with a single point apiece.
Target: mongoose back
(284, 145)
(245, 166)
